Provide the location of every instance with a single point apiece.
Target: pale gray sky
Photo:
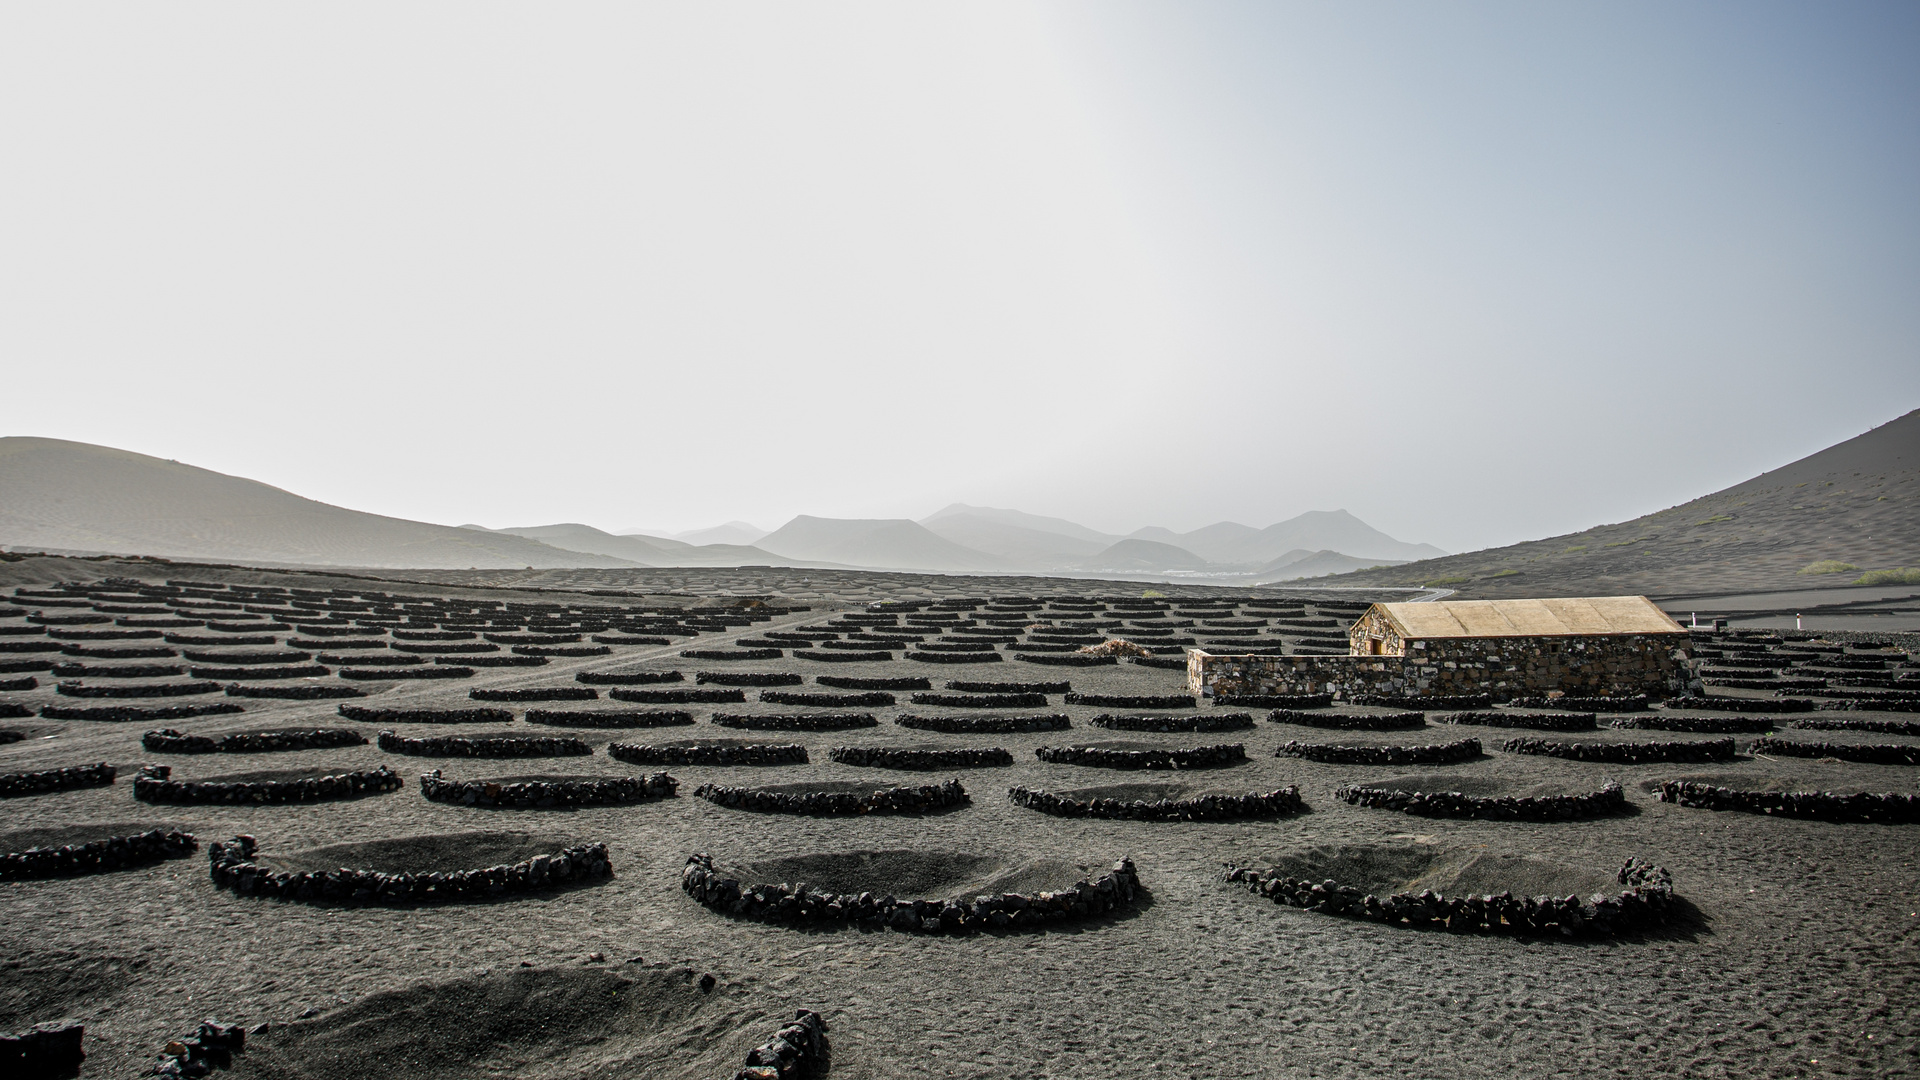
(1476, 273)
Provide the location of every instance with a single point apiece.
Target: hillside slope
(1856, 504)
(643, 549)
(73, 496)
(883, 543)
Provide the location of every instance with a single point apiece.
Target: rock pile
(1625, 753)
(233, 868)
(1108, 757)
(724, 752)
(1610, 799)
(897, 800)
(487, 746)
(572, 791)
(1835, 806)
(197, 1055)
(95, 856)
(1284, 800)
(880, 757)
(1646, 900)
(796, 721)
(795, 1051)
(13, 785)
(1400, 721)
(992, 725)
(1117, 889)
(170, 741)
(1334, 754)
(152, 784)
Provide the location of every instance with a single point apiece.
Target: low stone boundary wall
(1115, 890)
(137, 690)
(1701, 725)
(1625, 753)
(372, 674)
(299, 692)
(881, 757)
(43, 1051)
(170, 741)
(1863, 753)
(677, 697)
(846, 682)
(1132, 701)
(426, 716)
(973, 656)
(981, 701)
(1628, 703)
(627, 678)
(987, 725)
(538, 693)
(119, 714)
(484, 746)
(1759, 705)
(516, 661)
(1280, 801)
(1610, 799)
(867, 699)
(1273, 701)
(1072, 659)
(796, 721)
(1102, 757)
(750, 678)
(840, 657)
(260, 674)
(966, 686)
(1169, 663)
(94, 857)
(1883, 727)
(14, 785)
(897, 800)
(1547, 721)
(621, 719)
(1819, 805)
(796, 1050)
(749, 754)
(1645, 900)
(1428, 702)
(1333, 754)
(152, 784)
(233, 868)
(610, 791)
(1238, 721)
(731, 654)
(1403, 721)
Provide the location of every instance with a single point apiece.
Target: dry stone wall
(1652, 664)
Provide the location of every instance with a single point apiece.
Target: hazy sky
(1477, 273)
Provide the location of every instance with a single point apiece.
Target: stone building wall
(1374, 625)
(1651, 664)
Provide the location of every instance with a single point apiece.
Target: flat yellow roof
(1562, 617)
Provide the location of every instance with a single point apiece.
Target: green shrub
(1905, 575)
(1827, 566)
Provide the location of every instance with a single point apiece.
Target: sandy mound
(1383, 869)
(39, 986)
(919, 875)
(554, 1024)
(61, 835)
(423, 854)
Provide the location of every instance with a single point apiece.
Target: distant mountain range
(1833, 518)
(57, 495)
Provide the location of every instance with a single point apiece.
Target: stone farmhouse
(1579, 646)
